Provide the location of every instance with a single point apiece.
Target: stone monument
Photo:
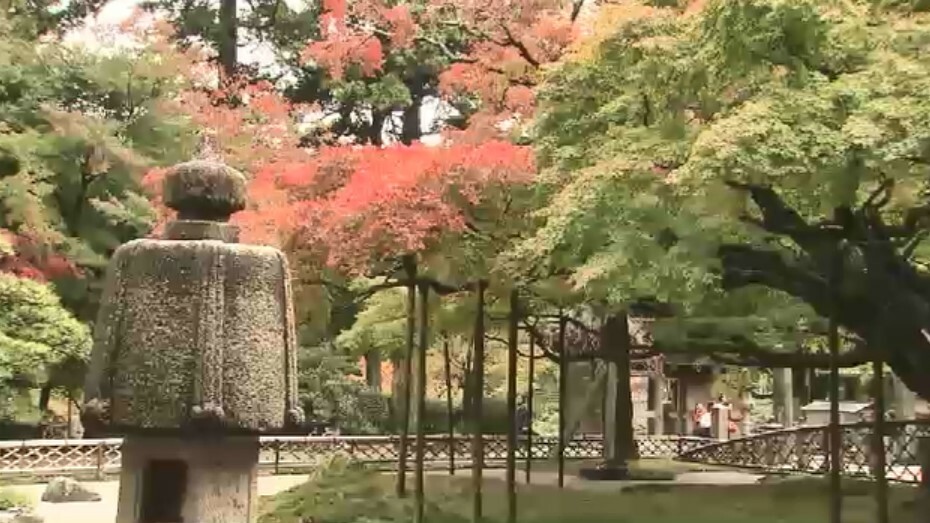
(194, 358)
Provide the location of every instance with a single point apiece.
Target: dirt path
(104, 511)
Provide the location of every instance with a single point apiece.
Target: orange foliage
(346, 42)
(360, 205)
(511, 41)
(516, 40)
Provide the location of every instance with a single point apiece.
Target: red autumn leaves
(358, 205)
(365, 204)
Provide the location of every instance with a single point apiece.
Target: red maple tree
(394, 200)
(507, 44)
(361, 204)
(365, 204)
(32, 258)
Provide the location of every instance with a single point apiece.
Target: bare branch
(519, 46)
(577, 5)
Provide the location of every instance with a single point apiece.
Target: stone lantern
(194, 358)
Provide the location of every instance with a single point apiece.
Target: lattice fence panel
(59, 456)
(807, 449)
(803, 450)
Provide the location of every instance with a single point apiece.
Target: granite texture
(222, 477)
(203, 190)
(195, 332)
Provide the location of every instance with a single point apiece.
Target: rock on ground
(64, 490)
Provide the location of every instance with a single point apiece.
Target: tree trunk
(45, 395)
(878, 442)
(377, 128)
(512, 340)
(835, 431)
(373, 370)
(467, 386)
(421, 403)
(531, 369)
(477, 408)
(410, 269)
(563, 383)
(412, 126)
(70, 415)
(229, 40)
(447, 360)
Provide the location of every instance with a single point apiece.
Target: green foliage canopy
(696, 158)
(78, 129)
(36, 332)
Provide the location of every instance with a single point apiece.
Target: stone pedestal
(170, 480)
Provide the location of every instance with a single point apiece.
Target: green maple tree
(717, 158)
(77, 131)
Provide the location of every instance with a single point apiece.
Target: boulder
(65, 490)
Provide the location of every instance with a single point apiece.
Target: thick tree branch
(884, 298)
(518, 44)
(577, 6)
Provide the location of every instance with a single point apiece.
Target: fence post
(277, 456)
(99, 474)
(826, 451)
(923, 492)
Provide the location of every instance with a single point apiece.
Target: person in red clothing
(732, 416)
(700, 416)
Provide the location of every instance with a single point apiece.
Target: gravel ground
(104, 511)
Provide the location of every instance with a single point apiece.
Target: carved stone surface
(221, 484)
(202, 190)
(194, 331)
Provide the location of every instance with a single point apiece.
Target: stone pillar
(209, 480)
(784, 396)
(658, 404)
(720, 427)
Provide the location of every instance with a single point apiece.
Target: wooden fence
(300, 454)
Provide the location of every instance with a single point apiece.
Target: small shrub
(10, 499)
(344, 492)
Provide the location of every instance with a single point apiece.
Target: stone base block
(175, 480)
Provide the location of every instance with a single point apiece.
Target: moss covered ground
(342, 493)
